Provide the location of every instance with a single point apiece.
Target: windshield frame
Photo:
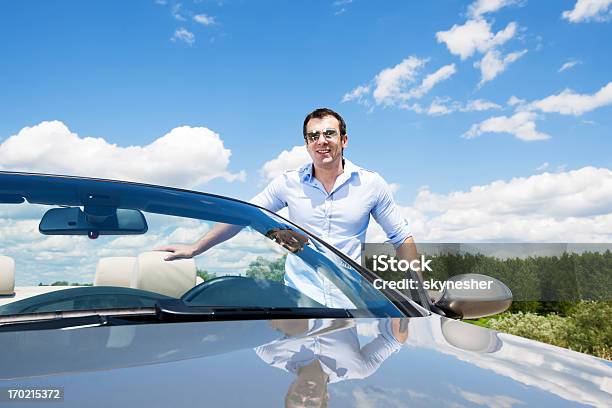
(404, 304)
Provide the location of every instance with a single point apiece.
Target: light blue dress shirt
(340, 353)
(340, 217)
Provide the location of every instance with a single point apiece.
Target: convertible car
(92, 314)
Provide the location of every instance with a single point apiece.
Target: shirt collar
(349, 170)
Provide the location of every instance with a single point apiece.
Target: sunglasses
(328, 134)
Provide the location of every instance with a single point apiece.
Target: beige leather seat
(171, 278)
(7, 275)
(115, 271)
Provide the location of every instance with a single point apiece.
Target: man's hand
(399, 328)
(219, 233)
(291, 327)
(291, 240)
(177, 252)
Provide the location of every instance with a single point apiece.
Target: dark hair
(320, 113)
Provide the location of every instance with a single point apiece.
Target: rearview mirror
(94, 221)
(471, 296)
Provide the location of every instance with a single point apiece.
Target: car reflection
(569, 375)
(319, 352)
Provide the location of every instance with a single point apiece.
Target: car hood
(348, 362)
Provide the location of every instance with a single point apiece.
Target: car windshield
(69, 244)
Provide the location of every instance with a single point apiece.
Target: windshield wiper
(175, 310)
(74, 319)
(165, 311)
(65, 323)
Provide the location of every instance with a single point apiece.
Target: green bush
(205, 275)
(546, 329)
(262, 268)
(525, 307)
(585, 329)
(588, 328)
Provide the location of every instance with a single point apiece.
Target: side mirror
(471, 296)
(470, 337)
(93, 221)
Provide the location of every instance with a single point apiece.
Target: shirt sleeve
(272, 197)
(386, 213)
(378, 350)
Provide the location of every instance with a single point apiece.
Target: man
(323, 351)
(330, 197)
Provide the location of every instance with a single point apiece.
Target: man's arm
(269, 198)
(388, 216)
(408, 251)
(218, 234)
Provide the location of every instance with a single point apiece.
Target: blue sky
(131, 72)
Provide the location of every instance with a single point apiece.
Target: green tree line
(547, 284)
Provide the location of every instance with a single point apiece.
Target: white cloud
(536, 365)
(22, 211)
(235, 255)
(444, 106)
(480, 105)
(390, 82)
(492, 64)
(572, 206)
(491, 401)
(480, 7)
(588, 10)
(176, 12)
(571, 103)
(341, 6)
(286, 160)
(415, 107)
(358, 93)
(568, 65)
(464, 40)
(182, 34)
(184, 157)
(521, 125)
(578, 193)
(438, 108)
(561, 168)
(18, 230)
(74, 258)
(543, 166)
(188, 234)
(132, 242)
(475, 35)
(56, 245)
(204, 19)
(431, 80)
(504, 35)
(513, 101)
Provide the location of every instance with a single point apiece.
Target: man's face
(309, 389)
(325, 153)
